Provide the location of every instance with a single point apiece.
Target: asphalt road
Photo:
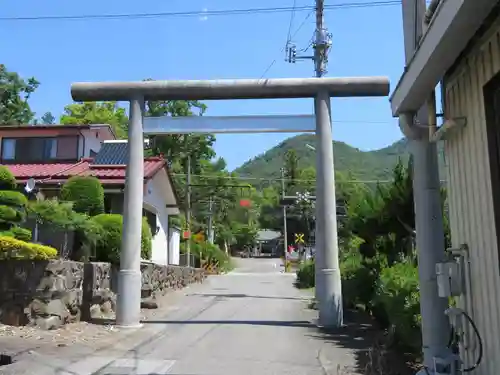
(251, 321)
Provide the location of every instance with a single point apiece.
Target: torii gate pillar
(321, 89)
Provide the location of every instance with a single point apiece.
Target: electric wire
(290, 25)
(223, 12)
(276, 179)
(480, 341)
(283, 49)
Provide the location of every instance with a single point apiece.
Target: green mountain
(363, 165)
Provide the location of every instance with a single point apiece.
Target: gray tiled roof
(112, 153)
(267, 235)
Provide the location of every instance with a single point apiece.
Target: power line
(292, 17)
(283, 49)
(224, 12)
(275, 179)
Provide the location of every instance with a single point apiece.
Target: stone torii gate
(321, 89)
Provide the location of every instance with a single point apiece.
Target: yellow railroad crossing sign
(299, 238)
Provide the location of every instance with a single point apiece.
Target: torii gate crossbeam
(321, 89)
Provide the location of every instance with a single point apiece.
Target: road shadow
(240, 295)
(369, 342)
(273, 323)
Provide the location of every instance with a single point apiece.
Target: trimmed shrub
(13, 199)
(22, 234)
(305, 275)
(8, 214)
(146, 239)
(397, 294)
(7, 179)
(86, 193)
(10, 248)
(108, 246)
(12, 208)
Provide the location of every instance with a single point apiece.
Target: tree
(291, 169)
(175, 146)
(14, 95)
(86, 193)
(97, 113)
(48, 118)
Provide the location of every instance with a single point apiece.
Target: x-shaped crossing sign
(299, 238)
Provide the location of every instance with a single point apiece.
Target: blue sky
(366, 41)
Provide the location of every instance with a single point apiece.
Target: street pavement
(250, 321)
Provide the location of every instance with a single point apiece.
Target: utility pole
(327, 270)
(427, 200)
(188, 200)
(210, 221)
(285, 231)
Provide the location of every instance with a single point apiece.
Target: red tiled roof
(59, 172)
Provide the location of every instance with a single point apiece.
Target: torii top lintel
(230, 89)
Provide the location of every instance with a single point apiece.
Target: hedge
(390, 294)
(108, 245)
(397, 294)
(7, 179)
(10, 248)
(86, 193)
(18, 233)
(305, 275)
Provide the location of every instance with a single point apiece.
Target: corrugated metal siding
(470, 194)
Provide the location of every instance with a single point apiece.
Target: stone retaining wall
(51, 293)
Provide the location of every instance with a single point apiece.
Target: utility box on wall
(449, 279)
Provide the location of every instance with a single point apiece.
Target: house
(50, 155)
(460, 48)
(268, 241)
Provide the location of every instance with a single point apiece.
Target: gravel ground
(17, 339)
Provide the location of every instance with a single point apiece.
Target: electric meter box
(449, 279)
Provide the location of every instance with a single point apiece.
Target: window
(32, 150)
(491, 93)
(8, 149)
(151, 219)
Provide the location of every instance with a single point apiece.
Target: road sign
(186, 234)
(299, 238)
(245, 203)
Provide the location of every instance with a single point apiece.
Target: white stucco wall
(155, 201)
(91, 140)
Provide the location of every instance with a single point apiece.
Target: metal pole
(327, 272)
(318, 67)
(128, 304)
(210, 221)
(285, 230)
(428, 213)
(430, 250)
(329, 282)
(188, 199)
